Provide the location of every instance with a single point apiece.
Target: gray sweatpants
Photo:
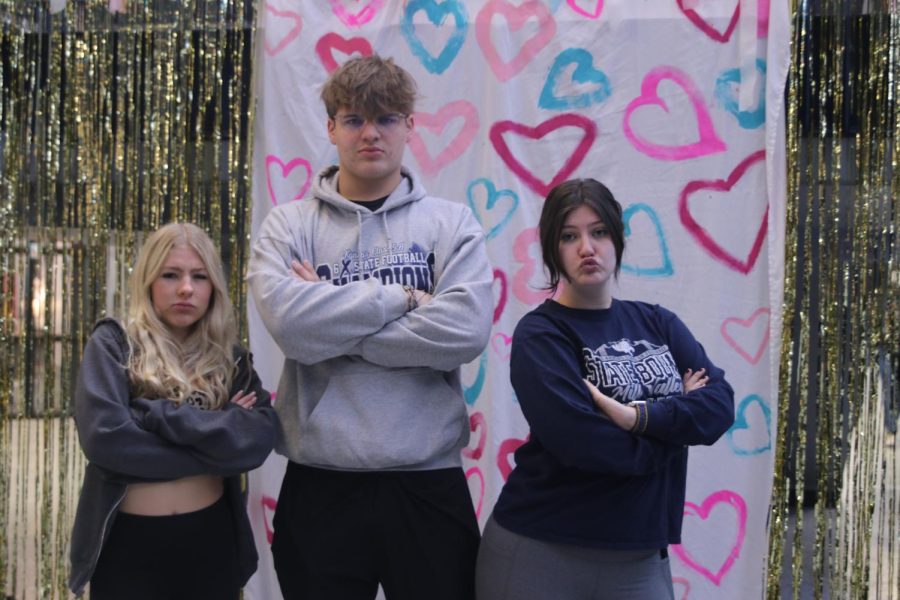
(512, 566)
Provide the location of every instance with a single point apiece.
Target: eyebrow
(598, 222)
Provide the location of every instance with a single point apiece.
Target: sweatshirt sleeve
(110, 435)
(547, 379)
(453, 328)
(700, 416)
(313, 321)
(233, 439)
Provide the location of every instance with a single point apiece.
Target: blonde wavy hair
(158, 365)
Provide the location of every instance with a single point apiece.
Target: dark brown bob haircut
(370, 85)
(562, 200)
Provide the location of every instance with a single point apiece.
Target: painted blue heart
(726, 88)
(493, 195)
(584, 73)
(437, 13)
(740, 422)
(665, 267)
(553, 5)
(471, 392)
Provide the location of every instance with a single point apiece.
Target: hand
(304, 271)
(422, 298)
(623, 416)
(244, 399)
(694, 380)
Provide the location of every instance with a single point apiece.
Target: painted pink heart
(703, 25)
(762, 17)
(728, 499)
(590, 14)
(708, 141)
(474, 473)
(281, 179)
(358, 18)
(330, 42)
(476, 423)
(437, 122)
(703, 237)
(685, 584)
(507, 449)
(268, 510)
(522, 288)
(751, 324)
(274, 26)
(500, 343)
(500, 276)
(516, 17)
(499, 128)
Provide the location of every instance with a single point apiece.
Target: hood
(326, 183)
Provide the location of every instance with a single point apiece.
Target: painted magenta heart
(288, 188)
(268, 511)
(703, 237)
(729, 500)
(590, 13)
(703, 25)
(589, 134)
(475, 474)
(359, 18)
(708, 142)
(757, 325)
(437, 122)
(500, 344)
(276, 22)
(516, 17)
(504, 453)
(476, 423)
(330, 42)
(500, 304)
(489, 206)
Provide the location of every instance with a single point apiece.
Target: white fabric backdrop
(677, 105)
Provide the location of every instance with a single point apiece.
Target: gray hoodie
(367, 384)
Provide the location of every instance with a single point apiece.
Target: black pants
(339, 534)
(192, 556)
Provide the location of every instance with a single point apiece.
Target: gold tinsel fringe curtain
(110, 125)
(835, 521)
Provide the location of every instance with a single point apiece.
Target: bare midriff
(175, 497)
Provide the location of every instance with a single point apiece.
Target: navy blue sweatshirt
(580, 479)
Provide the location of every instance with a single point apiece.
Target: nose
(370, 130)
(585, 248)
(185, 286)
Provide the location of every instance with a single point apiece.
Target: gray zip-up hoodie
(368, 384)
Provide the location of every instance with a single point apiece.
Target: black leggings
(188, 556)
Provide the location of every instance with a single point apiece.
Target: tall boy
(376, 293)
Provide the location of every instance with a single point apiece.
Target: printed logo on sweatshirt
(403, 263)
(629, 370)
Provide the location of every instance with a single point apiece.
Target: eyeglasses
(384, 123)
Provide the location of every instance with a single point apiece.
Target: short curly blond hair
(371, 86)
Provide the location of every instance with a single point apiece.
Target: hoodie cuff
(394, 299)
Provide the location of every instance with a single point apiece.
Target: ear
(410, 125)
(331, 127)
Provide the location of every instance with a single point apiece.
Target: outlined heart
(703, 237)
(592, 14)
(726, 93)
(437, 122)
(474, 473)
(330, 42)
(358, 18)
(515, 16)
(584, 73)
(500, 344)
(754, 435)
(664, 269)
(587, 126)
(521, 284)
(436, 14)
(748, 324)
(708, 141)
(500, 302)
(685, 586)
(507, 448)
(471, 392)
(726, 498)
(268, 511)
(490, 204)
(704, 25)
(476, 423)
(283, 173)
(296, 25)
